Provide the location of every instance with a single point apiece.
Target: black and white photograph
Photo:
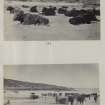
(51, 20)
(51, 84)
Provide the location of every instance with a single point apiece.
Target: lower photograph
(51, 84)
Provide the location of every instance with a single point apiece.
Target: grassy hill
(10, 84)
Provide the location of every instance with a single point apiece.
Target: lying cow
(28, 19)
(13, 10)
(49, 11)
(62, 10)
(25, 6)
(33, 9)
(83, 19)
(72, 13)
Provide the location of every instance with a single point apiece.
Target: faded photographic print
(51, 84)
(55, 20)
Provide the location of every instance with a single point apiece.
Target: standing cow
(95, 96)
(61, 100)
(81, 99)
(71, 99)
(10, 9)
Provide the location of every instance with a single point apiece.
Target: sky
(69, 75)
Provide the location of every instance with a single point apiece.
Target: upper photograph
(51, 20)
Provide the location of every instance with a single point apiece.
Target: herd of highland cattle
(65, 99)
(69, 97)
(36, 17)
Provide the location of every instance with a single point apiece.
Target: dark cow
(61, 100)
(11, 9)
(50, 94)
(44, 95)
(76, 20)
(87, 96)
(62, 10)
(95, 96)
(49, 11)
(28, 19)
(19, 16)
(90, 16)
(92, 13)
(33, 96)
(72, 13)
(96, 12)
(83, 19)
(71, 99)
(42, 20)
(25, 6)
(54, 94)
(67, 94)
(60, 94)
(33, 9)
(81, 99)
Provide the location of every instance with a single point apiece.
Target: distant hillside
(68, 1)
(19, 85)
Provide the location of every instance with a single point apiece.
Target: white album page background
(58, 52)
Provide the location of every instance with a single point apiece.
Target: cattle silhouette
(28, 19)
(62, 10)
(83, 19)
(33, 9)
(33, 96)
(10, 9)
(25, 6)
(49, 11)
